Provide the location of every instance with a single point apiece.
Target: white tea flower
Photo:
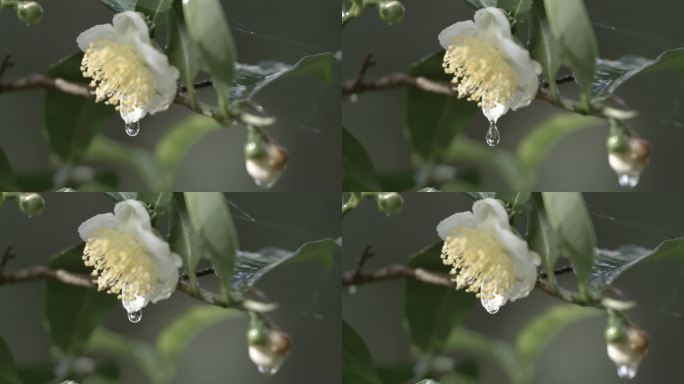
(489, 66)
(486, 256)
(128, 258)
(126, 68)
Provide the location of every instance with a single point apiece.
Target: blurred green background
(578, 163)
(578, 353)
(307, 109)
(310, 301)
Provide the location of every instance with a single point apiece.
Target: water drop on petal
(493, 137)
(627, 371)
(627, 180)
(133, 129)
(267, 371)
(135, 316)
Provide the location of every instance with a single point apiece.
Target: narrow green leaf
(210, 218)
(570, 24)
(433, 120)
(610, 264)
(8, 371)
(498, 351)
(251, 79)
(432, 311)
(138, 160)
(357, 362)
(173, 339)
(252, 266)
(545, 48)
(181, 51)
(358, 172)
(119, 5)
(611, 74)
(7, 182)
(184, 241)
(181, 137)
(156, 202)
(538, 333)
(145, 357)
(71, 122)
(73, 312)
(569, 217)
(155, 10)
(395, 373)
(480, 195)
(541, 237)
(208, 29)
(516, 202)
(534, 147)
(517, 9)
(505, 164)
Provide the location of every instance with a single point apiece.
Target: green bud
(390, 202)
(31, 204)
(616, 333)
(257, 335)
(617, 143)
(255, 144)
(392, 11)
(29, 12)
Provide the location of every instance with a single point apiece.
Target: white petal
(492, 305)
(132, 215)
(132, 26)
(132, 116)
(165, 76)
(462, 28)
(491, 212)
(138, 303)
(460, 219)
(492, 21)
(98, 32)
(166, 264)
(526, 70)
(88, 227)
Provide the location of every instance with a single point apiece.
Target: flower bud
(268, 353)
(266, 168)
(627, 350)
(31, 204)
(628, 159)
(391, 11)
(390, 202)
(29, 12)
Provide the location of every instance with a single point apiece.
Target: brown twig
(394, 272)
(7, 256)
(6, 64)
(41, 272)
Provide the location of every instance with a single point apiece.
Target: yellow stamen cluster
(121, 78)
(478, 263)
(121, 264)
(480, 72)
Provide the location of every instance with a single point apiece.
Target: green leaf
(516, 202)
(570, 24)
(569, 217)
(181, 137)
(610, 264)
(73, 312)
(611, 74)
(208, 29)
(541, 237)
(210, 218)
(6, 174)
(505, 164)
(173, 339)
(138, 160)
(35, 373)
(538, 333)
(71, 122)
(467, 372)
(517, 9)
(8, 371)
(432, 311)
(534, 148)
(184, 241)
(357, 362)
(395, 373)
(476, 344)
(182, 52)
(145, 357)
(433, 120)
(119, 5)
(252, 266)
(155, 10)
(545, 48)
(477, 4)
(156, 202)
(251, 79)
(358, 172)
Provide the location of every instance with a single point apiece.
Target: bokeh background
(310, 301)
(307, 109)
(579, 163)
(578, 353)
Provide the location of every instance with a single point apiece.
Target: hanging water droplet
(627, 180)
(352, 289)
(266, 184)
(267, 371)
(493, 137)
(133, 129)
(627, 371)
(135, 316)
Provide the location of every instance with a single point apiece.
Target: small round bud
(629, 163)
(267, 169)
(391, 11)
(390, 202)
(617, 143)
(628, 352)
(270, 355)
(257, 335)
(29, 12)
(615, 334)
(32, 204)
